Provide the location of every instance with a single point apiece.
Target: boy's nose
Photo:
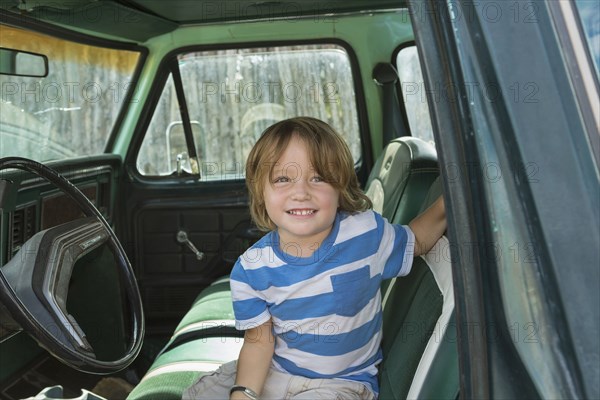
(301, 190)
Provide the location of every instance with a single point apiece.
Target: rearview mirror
(23, 63)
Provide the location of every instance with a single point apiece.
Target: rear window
(233, 95)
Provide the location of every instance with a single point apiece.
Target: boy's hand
(429, 226)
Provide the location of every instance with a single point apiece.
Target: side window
(233, 95)
(414, 94)
(589, 13)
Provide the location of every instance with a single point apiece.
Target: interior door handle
(182, 237)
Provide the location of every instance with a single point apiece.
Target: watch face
(251, 393)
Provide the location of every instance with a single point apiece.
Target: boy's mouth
(301, 212)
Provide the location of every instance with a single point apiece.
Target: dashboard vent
(22, 227)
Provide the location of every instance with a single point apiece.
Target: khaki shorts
(278, 386)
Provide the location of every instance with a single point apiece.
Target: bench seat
(178, 368)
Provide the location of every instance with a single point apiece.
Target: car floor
(47, 371)
(44, 372)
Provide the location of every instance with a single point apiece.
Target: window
(233, 95)
(71, 111)
(589, 12)
(414, 94)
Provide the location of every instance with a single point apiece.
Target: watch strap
(251, 394)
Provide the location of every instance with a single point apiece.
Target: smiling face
(299, 202)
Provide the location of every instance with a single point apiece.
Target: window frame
(160, 81)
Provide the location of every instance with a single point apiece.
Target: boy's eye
(317, 178)
(281, 179)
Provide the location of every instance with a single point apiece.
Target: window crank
(182, 237)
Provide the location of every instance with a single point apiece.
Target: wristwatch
(251, 394)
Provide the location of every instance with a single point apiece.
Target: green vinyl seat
(400, 178)
(204, 339)
(178, 368)
(420, 355)
(212, 308)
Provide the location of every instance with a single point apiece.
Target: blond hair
(329, 155)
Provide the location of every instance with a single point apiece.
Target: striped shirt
(326, 308)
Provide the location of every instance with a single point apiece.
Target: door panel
(215, 218)
(207, 229)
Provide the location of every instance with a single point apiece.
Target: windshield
(71, 111)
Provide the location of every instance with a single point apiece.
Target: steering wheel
(34, 284)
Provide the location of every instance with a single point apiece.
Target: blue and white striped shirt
(326, 308)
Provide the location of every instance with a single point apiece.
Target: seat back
(401, 177)
(418, 327)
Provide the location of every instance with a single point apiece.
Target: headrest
(401, 158)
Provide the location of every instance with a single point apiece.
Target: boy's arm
(255, 359)
(429, 226)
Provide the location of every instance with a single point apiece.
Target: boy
(307, 294)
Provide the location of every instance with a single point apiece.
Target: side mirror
(23, 63)
(177, 151)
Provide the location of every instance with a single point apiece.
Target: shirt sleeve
(249, 306)
(398, 249)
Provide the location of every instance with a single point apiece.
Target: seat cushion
(175, 370)
(420, 359)
(211, 308)
(412, 307)
(204, 339)
(211, 315)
